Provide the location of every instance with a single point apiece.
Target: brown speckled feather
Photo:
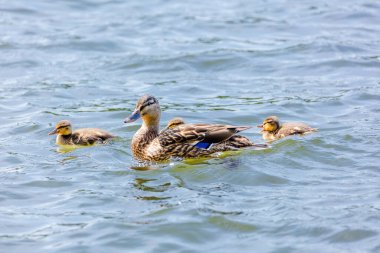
(191, 133)
(85, 137)
(291, 128)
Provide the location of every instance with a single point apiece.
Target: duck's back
(291, 128)
(194, 140)
(89, 136)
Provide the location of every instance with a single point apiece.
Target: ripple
(47, 184)
(227, 224)
(351, 235)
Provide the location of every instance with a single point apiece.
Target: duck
(180, 140)
(272, 129)
(80, 137)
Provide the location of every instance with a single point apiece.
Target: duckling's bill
(55, 131)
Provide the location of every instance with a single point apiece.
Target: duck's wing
(236, 142)
(292, 128)
(89, 136)
(202, 135)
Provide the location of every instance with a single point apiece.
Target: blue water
(230, 62)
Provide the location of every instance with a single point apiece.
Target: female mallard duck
(83, 137)
(182, 140)
(273, 130)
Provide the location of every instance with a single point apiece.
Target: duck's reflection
(142, 184)
(66, 149)
(69, 158)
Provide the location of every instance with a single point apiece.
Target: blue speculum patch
(204, 145)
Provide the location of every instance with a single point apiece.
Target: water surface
(231, 62)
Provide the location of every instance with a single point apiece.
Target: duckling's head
(147, 108)
(175, 122)
(62, 128)
(270, 124)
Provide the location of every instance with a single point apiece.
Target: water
(232, 62)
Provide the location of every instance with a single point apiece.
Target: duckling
(173, 123)
(179, 139)
(82, 137)
(273, 130)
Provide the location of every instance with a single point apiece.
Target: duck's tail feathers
(259, 146)
(241, 128)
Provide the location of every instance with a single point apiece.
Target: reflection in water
(68, 148)
(141, 184)
(68, 158)
(232, 163)
(144, 167)
(152, 198)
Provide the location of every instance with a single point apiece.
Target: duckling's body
(273, 130)
(180, 140)
(82, 137)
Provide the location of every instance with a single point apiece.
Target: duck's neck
(270, 135)
(144, 136)
(275, 131)
(63, 139)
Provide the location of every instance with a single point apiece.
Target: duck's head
(270, 124)
(147, 108)
(62, 128)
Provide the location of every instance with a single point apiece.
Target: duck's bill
(133, 117)
(260, 126)
(53, 132)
